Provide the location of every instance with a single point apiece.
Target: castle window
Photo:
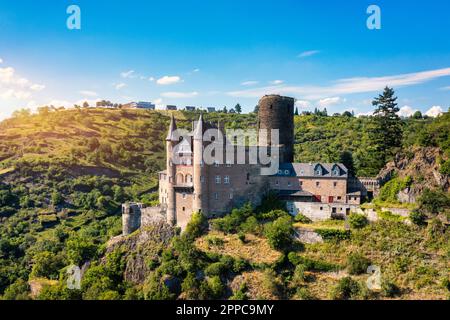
(277, 183)
(226, 179)
(289, 184)
(216, 163)
(218, 180)
(317, 184)
(216, 196)
(248, 176)
(318, 170)
(202, 179)
(184, 209)
(184, 196)
(301, 183)
(335, 184)
(231, 196)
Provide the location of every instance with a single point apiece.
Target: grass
(327, 224)
(254, 249)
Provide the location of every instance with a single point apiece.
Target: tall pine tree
(388, 130)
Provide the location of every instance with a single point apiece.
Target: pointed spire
(198, 133)
(172, 128)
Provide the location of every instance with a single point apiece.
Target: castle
(191, 184)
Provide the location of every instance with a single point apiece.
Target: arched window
(336, 171)
(180, 178)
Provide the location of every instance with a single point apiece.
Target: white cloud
(276, 82)
(406, 111)
(179, 95)
(346, 86)
(435, 111)
(119, 86)
(151, 79)
(365, 114)
(128, 74)
(249, 83)
(16, 87)
(1, 60)
(167, 80)
(302, 104)
(88, 93)
(309, 53)
(15, 94)
(37, 87)
(196, 70)
(327, 102)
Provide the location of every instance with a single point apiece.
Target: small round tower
(131, 217)
(277, 112)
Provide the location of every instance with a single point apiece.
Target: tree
(238, 108)
(256, 109)
(346, 159)
(417, 115)
(388, 132)
(347, 114)
(225, 110)
(280, 233)
(85, 104)
(296, 111)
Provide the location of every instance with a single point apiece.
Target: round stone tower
(131, 217)
(277, 112)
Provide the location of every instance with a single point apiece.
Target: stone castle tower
(277, 112)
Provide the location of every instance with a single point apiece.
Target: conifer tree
(388, 130)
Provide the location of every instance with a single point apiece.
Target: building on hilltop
(190, 184)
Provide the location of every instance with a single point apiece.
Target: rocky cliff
(141, 249)
(422, 166)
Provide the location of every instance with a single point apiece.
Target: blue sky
(216, 53)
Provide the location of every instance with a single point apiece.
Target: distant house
(189, 108)
(171, 107)
(131, 105)
(232, 111)
(145, 105)
(211, 109)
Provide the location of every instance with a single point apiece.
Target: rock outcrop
(422, 165)
(141, 248)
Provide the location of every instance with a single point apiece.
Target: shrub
(241, 237)
(389, 289)
(357, 264)
(418, 217)
(280, 233)
(434, 202)
(215, 269)
(299, 274)
(357, 221)
(302, 218)
(240, 294)
(212, 288)
(214, 241)
(347, 288)
(334, 234)
(196, 226)
(251, 225)
(304, 294)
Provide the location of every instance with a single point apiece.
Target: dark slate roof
(309, 170)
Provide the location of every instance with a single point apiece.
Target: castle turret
(171, 141)
(200, 199)
(277, 112)
(131, 217)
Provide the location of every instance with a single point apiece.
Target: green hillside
(64, 174)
